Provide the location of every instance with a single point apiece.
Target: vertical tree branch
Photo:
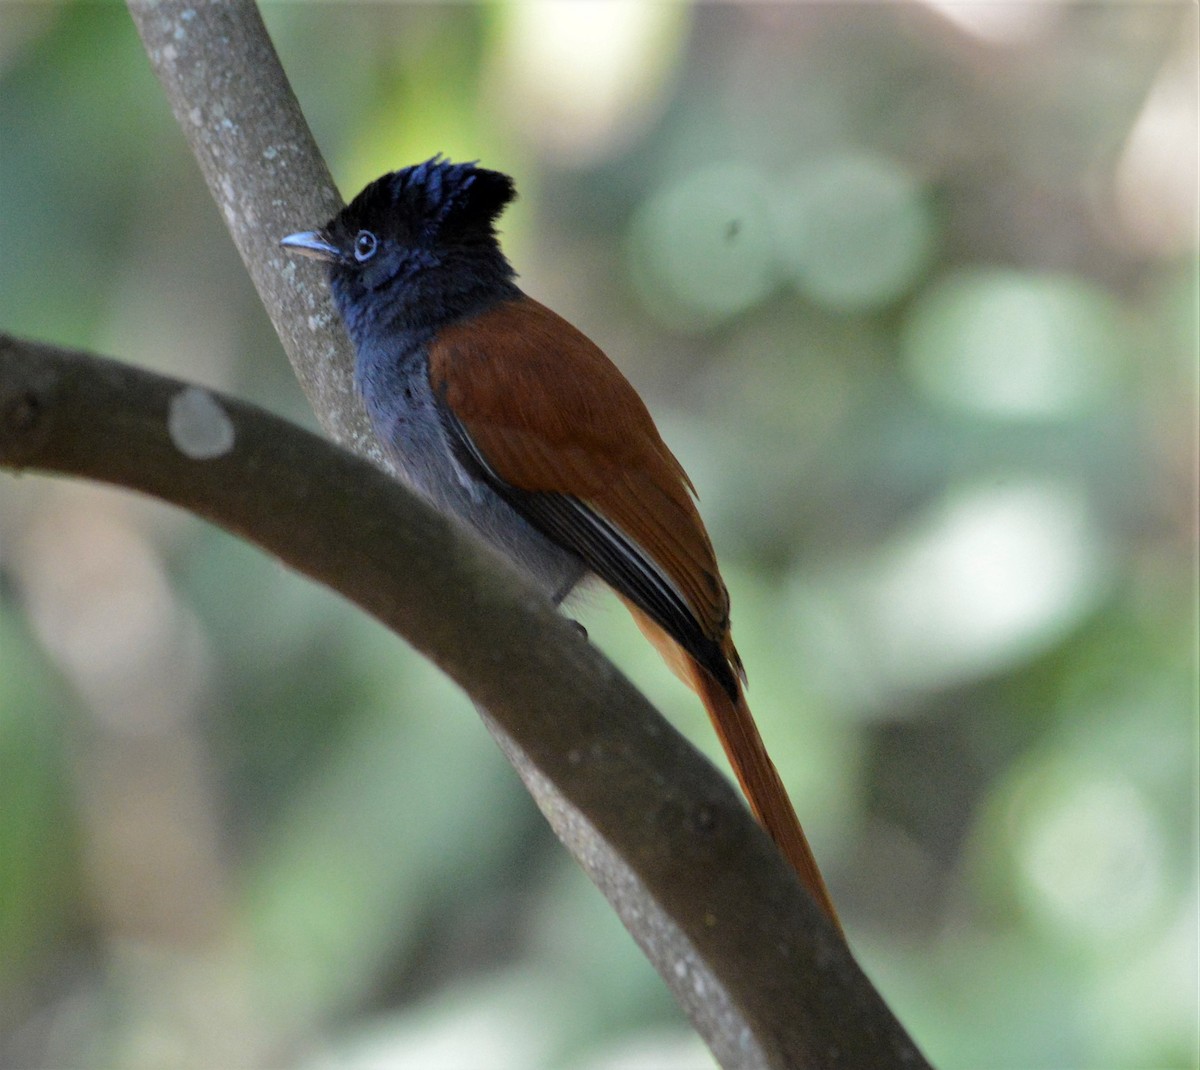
(236, 108)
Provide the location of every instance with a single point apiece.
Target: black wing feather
(604, 548)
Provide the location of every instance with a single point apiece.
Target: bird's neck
(418, 306)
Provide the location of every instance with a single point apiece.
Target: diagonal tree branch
(713, 904)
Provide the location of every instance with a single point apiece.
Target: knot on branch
(25, 396)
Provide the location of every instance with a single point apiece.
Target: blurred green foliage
(912, 290)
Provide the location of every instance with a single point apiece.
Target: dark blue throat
(418, 297)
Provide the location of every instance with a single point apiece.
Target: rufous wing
(547, 413)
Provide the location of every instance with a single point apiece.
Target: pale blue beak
(312, 243)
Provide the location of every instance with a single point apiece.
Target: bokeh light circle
(1014, 344)
(854, 231)
(701, 246)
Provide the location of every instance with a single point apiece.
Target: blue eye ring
(365, 244)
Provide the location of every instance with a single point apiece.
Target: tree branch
(234, 104)
(720, 914)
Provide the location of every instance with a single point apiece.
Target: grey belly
(413, 437)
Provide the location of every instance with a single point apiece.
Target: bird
(507, 418)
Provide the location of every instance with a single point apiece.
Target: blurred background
(912, 291)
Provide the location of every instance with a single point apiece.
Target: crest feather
(437, 194)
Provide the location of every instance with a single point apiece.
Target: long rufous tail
(760, 782)
(749, 759)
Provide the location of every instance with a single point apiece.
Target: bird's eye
(365, 244)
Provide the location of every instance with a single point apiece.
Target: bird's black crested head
(417, 246)
(429, 205)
